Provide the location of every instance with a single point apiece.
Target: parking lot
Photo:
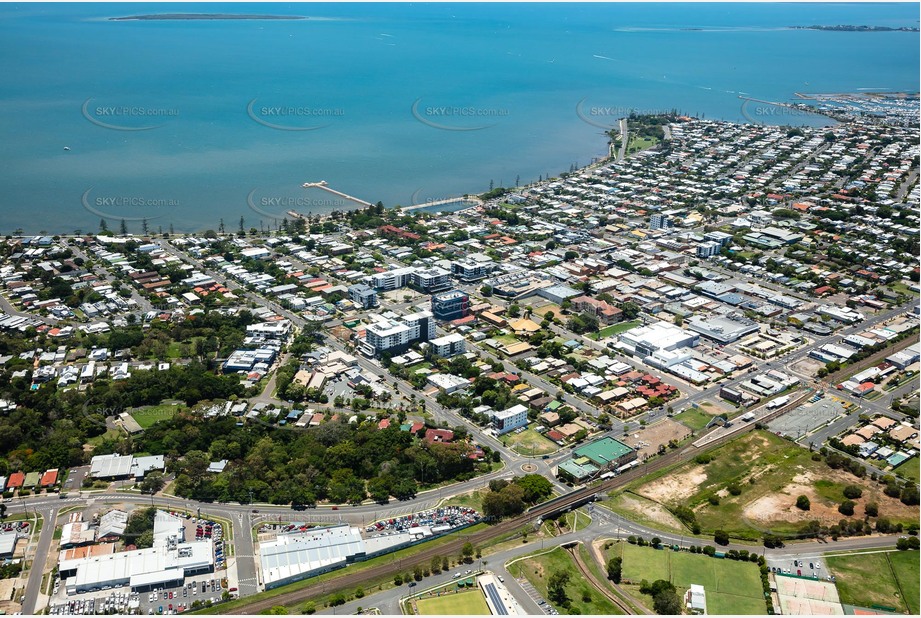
(163, 601)
(806, 418)
(439, 520)
(801, 567)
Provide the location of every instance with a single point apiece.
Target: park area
(464, 602)
(878, 580)
(614, 329)
(147, 416)
(529, 443)
(583, 597)
(750, 486)
(732, 587)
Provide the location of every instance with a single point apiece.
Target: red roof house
(16, 480)
(49, 478)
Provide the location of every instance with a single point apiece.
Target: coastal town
(601, 393)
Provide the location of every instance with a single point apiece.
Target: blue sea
(187, 123)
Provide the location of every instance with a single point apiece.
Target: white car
(501, 579)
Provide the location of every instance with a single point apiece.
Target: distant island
(200, 16)
(858, 28)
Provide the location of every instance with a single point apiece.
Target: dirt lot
(651, 510)
(675, 487)
(781, 505)
(646, 441)
(807, 366)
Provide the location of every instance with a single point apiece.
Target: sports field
(907, 569)
(867, 579)
(732, 587)
(470, 603)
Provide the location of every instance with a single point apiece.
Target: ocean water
(187, 123)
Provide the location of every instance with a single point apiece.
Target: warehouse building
(722, 329)
(292, 557)
(166, 563)
(646, 340)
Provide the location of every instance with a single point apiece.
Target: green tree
(278, 610)
(802, 503)
(846, 508)
(556, 587)
(852, 492)
(153, 482)
(721, 537)
(614, 569)
(667, 603)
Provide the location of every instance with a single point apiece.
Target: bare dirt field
(647, 441)
(650, 510)
(781, 505)
(675, 487)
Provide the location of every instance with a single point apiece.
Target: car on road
(456, 575)
(501, 579)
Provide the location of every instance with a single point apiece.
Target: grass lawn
(907, 571)
(470, 603)
(867, 580)
(911, 469)
(732, 587)
(636, 144)
(694, 419)
(538, 569)
(900, 288)
(642, 563)
(473, 499)
(529, 442)
(614, 329)
(149, 415)
(110, 434)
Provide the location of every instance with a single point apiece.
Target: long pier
(324, 186)
(449, 200)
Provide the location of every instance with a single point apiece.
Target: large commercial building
(450, 305)
(117, 466)
(508, 420)
(659, 221)
(392, 279)
(647, 340)
(605, 312)
(448, 346)
(431, 280)
(363, 295)
(292, 557)
(469, 271)
(591, 459)
(167, 562)
(722, 329)
(394, 336)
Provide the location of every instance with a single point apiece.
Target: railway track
(583, 568)
(351, 580)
